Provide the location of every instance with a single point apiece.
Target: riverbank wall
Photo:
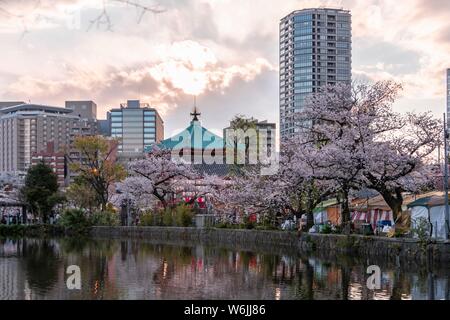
(396, 250)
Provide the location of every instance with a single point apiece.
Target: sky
(225, 52)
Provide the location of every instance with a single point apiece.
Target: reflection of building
(55, 160)
(136, 126)
(315, 50)
(12, 282)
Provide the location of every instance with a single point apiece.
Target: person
(3, 219)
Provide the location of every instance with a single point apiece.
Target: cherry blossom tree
(352, 137)
(155, 178)
(159, 179)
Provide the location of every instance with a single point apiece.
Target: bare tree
(35, 13)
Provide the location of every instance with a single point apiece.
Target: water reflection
(113, 269)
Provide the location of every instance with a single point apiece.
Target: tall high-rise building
(136, 126)
(315, 50)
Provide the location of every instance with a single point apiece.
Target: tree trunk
(394, 202)
(345, 282)
(309, 220)
(345, 211)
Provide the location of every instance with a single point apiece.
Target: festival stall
(432, 210)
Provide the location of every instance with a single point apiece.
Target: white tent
(433, 210)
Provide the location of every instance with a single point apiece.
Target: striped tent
(373, 216)
(371, 210)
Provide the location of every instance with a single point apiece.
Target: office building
(104, 128)
(315, 50)
(264, 130)
(87, 114)
(55, 160)
(25, 129)
(136, 126)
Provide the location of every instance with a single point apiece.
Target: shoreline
(393, 250)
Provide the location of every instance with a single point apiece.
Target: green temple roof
(195, 136)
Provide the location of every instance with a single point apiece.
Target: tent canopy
(325, 205)
(429, 202)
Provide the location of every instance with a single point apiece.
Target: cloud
(208, 47)
(184, 68)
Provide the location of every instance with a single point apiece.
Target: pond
(129, 269)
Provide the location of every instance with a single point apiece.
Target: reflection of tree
(309, 280)
(42, 264)
(93, 257)
(304, 280)
(345, 282)
(400, 285)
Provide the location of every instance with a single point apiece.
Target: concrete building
(87, 114)
(315, 50)
(25, 129)
(136, 126)
(6, 104)
(264, 130)
(104, 127)
(55, 160)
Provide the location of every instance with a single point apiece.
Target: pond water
(129, 269)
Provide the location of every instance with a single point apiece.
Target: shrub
(150, 218)
(147, 220)
(183, 216)
(75, 220)
(421, 229)
(326, 229)
(167, 218)
(248, 224)
(105, 218)
(224, 225)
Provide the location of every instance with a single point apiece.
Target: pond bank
(391, 249)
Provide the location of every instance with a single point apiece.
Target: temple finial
(195, 114)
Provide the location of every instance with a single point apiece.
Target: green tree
(40, 191)
(96, 166)
(82, 195)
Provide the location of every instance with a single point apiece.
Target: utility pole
(446, 177)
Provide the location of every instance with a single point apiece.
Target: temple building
(198, 146)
